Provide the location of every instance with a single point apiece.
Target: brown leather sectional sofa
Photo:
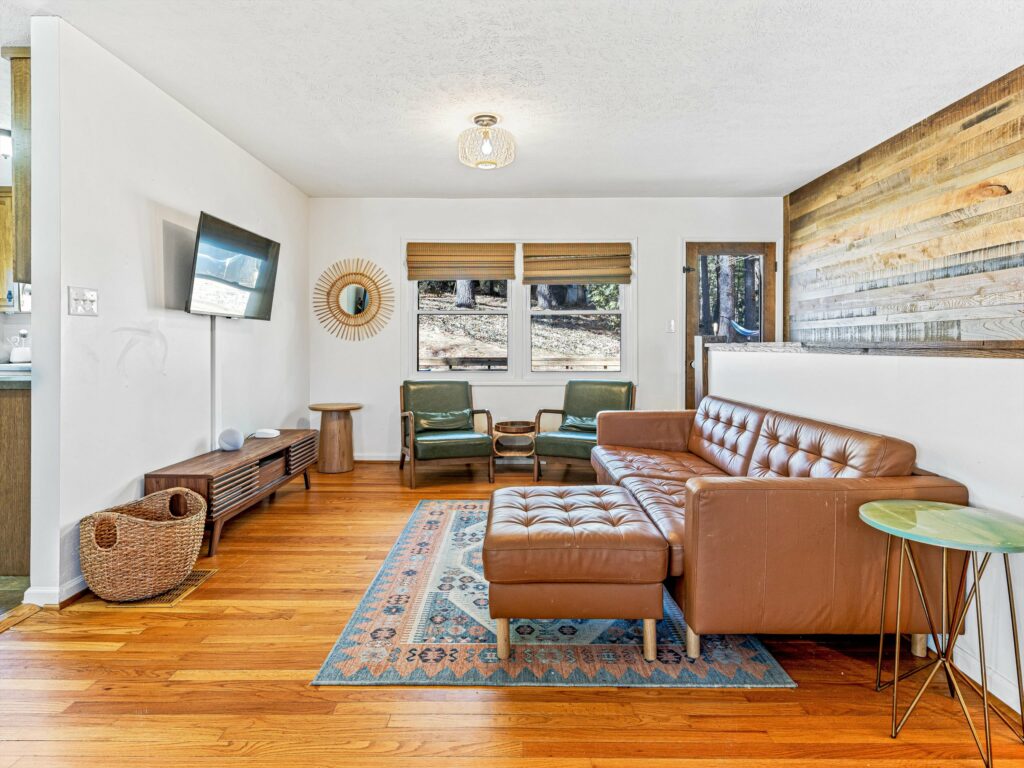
(760, 509)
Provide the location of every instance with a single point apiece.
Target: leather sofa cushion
(573, 445)
(591, 534)
(619, 462)
(584, 399)
(791, 446)
(724, 433)
(452, 445)
(664, 501)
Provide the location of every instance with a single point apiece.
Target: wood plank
(222, 680)
(920, 239)
(983, 107)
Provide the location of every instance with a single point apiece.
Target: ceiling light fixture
(486, 146)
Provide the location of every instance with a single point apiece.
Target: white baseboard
(42, 596)
(1000, 685)
(377, 457)
(53, 596)
(73, 587)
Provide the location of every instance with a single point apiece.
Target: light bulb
(486, 147)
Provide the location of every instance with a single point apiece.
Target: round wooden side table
(335, 436)
(514, 439)
(957, 528)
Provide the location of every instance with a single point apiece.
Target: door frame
(691, 269)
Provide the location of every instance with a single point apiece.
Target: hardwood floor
(222, 680)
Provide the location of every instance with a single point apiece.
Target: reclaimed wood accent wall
(920, 239)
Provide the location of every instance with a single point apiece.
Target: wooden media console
(233, 481)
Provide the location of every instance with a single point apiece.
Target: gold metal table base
(953, 616)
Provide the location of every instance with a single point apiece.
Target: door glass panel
(729, 291)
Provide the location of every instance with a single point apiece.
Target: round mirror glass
(354, 299)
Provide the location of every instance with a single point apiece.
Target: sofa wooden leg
(919, 645)
(504, 639)
(650, 639)
(692, 644)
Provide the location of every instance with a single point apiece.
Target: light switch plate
(83, 302)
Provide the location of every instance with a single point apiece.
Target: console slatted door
(302, 454)
(236, 486)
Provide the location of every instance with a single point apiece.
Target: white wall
(964, 415)
(121, 172)
(370, 371)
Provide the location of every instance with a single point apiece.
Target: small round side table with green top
(950, 527)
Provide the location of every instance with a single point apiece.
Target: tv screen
(233, 271)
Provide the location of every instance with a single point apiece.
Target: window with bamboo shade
(577, 263)
(570, 312)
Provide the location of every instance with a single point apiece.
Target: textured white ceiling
(605, 97)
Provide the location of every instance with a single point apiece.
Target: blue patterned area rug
(424, 621)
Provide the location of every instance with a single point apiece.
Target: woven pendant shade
(571, 263)
(461, 261)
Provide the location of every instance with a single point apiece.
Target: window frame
(418, 313)
(520, 371)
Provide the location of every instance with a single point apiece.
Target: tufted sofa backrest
(724, 433)
(791, 446)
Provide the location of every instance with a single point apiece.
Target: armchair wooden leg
(536, 468)
(504, 639)
(401, 460)
(650, 639)
(490, 470)
(692, 644)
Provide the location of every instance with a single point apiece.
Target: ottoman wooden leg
(692, 644)
(919, 645)
(504, 639)
(650, 639)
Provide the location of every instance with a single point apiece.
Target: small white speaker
(230, 440)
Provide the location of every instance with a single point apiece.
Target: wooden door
(751, 293)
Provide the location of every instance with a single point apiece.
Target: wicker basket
(145, 548)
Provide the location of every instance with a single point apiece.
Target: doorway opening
(730, 298)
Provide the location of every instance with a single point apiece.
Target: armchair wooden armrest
(490, 421)
(541, 412)
(408, 435)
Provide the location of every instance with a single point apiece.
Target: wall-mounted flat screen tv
(233, 271)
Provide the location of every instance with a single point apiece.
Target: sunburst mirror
(353, 299)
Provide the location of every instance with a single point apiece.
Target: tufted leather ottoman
(573, 552)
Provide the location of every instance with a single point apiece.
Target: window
(520, 312)
(462, 325)
(576, 327)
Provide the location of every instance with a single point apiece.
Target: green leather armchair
(577, 435)
(438, 427)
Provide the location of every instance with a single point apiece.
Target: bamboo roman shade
(567, 263)
(461, 261)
